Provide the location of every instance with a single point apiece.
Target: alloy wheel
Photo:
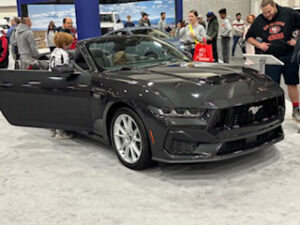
(127, 138)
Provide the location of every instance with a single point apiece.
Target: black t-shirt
(277, 32)
(129, 24)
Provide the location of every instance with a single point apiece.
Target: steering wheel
(151, 54)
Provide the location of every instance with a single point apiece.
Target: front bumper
(185, 151)
(195, 140)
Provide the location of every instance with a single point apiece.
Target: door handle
(99, 91)
(58, 78)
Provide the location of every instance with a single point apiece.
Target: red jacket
(3, 52)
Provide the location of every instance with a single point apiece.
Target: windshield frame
(149, 30)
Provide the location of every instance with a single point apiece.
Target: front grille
(249, 114)
(242, 144)
(181, 147)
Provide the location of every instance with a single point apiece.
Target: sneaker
(63, 136)
(296, 114)
(52, 133)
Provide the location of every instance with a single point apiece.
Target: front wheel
(129, 139)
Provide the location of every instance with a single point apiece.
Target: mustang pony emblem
(254, 109)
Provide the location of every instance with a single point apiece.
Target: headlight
(179, 113)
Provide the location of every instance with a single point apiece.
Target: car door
(46, 99)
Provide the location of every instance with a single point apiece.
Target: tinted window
(117, 18)
(106, 18)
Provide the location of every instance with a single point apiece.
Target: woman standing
(50, 36)
(192, 34)
(250, 49)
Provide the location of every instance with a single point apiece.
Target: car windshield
(131, 52)
(106, 18)
(152, 32)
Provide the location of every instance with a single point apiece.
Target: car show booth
(87, 12)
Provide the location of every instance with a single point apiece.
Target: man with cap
(144, 21)
(212, 33)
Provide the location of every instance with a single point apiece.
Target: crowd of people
(19, 41)
(270, 33)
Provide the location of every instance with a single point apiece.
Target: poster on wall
(41, 15)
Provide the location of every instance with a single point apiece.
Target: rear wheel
(129, 139)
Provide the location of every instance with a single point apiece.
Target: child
(59, 57)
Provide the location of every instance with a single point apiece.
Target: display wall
(42, 14)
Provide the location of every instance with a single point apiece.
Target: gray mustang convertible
(145, 98)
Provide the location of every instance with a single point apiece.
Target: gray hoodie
(27, 47)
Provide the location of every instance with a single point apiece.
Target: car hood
(207, 86)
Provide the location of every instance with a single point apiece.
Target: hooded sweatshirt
(26, 43)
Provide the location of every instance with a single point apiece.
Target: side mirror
(63, 69)
(118, 21)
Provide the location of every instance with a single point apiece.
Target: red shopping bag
(203, 53)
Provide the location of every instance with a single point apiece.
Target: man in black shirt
(129, 23)
(68, 28)
(271, 33)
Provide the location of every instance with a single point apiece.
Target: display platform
(263, 60)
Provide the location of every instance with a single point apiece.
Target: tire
(129, 139)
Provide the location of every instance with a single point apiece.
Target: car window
(81, 62)
(106, 18)
(129, 52)
(117, 18)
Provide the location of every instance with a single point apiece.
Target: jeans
(225, 49)
(214, 44)
(235, 42)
